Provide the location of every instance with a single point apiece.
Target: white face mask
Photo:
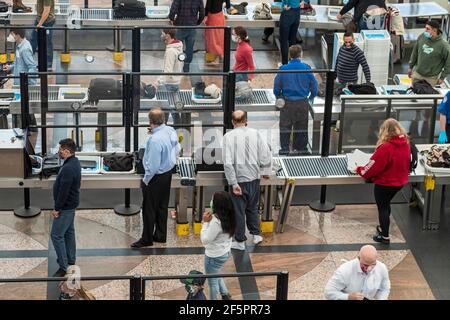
(234, 38)
(11, 38)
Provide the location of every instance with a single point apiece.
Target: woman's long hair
(389, 129)
(224, 210)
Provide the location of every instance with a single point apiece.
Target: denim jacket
(23, 61)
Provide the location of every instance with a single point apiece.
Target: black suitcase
(129, 9)
(105, 89)
(3, 6)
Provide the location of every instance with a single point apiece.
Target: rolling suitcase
(129, 9)
(105, 89)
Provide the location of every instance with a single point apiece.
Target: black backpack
(414, 156)
(423, 87)
(363, 88)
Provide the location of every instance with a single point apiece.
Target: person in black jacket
(66, 195)
(361, 6)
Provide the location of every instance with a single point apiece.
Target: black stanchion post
(322, 205)
(42, 67)
(136, 288)
(127, 209)
(86, 4)
(282, 285)
(229, 104)
(136, 67)
(27, 211)
(227, 49)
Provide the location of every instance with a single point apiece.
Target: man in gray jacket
(246, 156)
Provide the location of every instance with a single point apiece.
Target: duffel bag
(118, 162)
(363, 88)
(129, 9)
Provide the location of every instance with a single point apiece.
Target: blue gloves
(442, 137)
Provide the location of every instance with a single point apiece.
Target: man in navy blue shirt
(298, 91)
(444, 119)
(66, 194)
(161, 152)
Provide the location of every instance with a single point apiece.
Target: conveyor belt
(186, 169)
(91, 14)
(301, 167)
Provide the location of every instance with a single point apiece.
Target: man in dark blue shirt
(298, 91)
(444, 112)
(66, 195)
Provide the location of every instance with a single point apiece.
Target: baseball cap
(193, 281)
(434, 24)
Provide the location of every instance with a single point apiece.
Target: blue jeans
(34, 41)
(216, 285)
(241, 77)
(289, 22)
(188, 38)
(63, 238)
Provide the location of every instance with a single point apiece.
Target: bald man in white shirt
(361, 278)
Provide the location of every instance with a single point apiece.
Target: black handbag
(423, 87)
(119, 162)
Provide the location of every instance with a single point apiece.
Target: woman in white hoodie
(218, 229)
(173, 63)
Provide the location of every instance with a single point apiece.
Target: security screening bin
(12, 153)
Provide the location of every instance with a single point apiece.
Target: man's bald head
(368, 254)
(239, 117)
(156, 117)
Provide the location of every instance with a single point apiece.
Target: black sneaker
(226, 297)
(141, 244)
(60, 273)
(381, 239)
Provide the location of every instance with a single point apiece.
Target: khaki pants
(431, 80)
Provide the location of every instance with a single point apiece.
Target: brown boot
(19, 7)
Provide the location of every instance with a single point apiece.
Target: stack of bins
(377, 49)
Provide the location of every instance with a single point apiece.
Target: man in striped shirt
(349, 58)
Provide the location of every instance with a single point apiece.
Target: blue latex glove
(442, 137)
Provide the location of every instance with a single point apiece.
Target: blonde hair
(389, 129)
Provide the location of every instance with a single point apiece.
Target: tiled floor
(103, 240)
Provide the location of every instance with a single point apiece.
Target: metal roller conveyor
(186, 169)
(301, 167)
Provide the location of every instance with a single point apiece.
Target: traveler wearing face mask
(66, 194)
(243, 55)
(218, 228)
(363, 278)
(298, 91)
(23, 57)
(430, 59)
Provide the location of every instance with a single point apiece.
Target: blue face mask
(427, 35)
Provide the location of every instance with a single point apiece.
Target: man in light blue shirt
(160, 157)
(23, 57)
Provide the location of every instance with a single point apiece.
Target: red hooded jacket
(389, 165)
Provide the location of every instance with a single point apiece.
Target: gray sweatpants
(246, 207)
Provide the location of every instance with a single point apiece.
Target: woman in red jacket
(243, 55)
(388, 169)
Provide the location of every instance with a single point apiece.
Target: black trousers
(294, 118)
(155, 203)
(383, 197)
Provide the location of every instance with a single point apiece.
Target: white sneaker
(257, 239)
(238, 245)
(279, 65)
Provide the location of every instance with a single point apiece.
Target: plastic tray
(102, 170)
(96, 159)
(157, 12)
(332, 13)
(205, 101)
(238, 17)
(433, 169)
